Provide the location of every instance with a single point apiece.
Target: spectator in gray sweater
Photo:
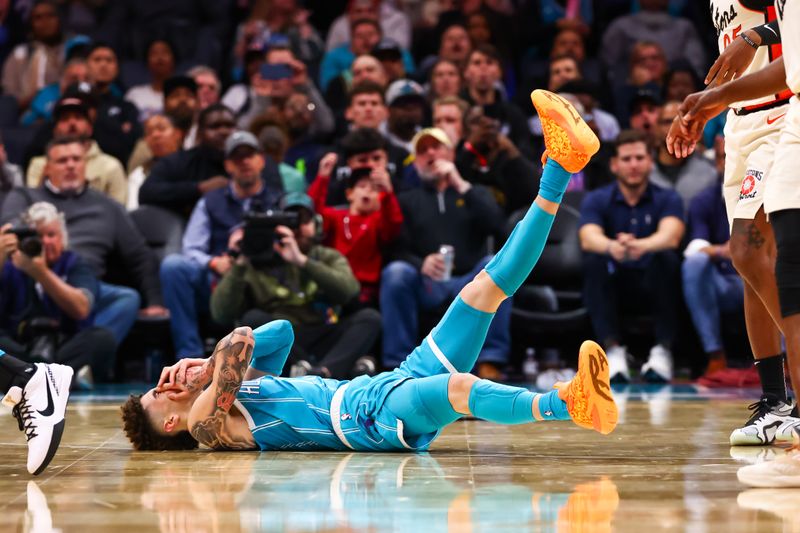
(99, 228)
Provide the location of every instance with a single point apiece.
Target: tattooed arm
(208, 418)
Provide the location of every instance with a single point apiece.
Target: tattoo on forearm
(233, 357)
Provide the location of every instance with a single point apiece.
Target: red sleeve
(391, 218)
(318, 191)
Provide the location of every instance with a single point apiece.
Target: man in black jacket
(446, 210)
(99, 228)
(178, 181)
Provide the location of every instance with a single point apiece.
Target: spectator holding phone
(281, 75)
(371, 221)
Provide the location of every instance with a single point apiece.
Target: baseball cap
(644, 95)
(436, 133)
(387, 49)
(76, 97)
(404, 90)
(176, 82)
(238, 139)
(296, 199)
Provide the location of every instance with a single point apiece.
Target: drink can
(448, 254)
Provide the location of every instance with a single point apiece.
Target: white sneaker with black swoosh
(39, 408)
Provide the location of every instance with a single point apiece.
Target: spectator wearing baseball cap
(407, 111)
(389, 53)
(178, 181)
(446, 209)
(182, 106)
(187, 277)
(74, 115)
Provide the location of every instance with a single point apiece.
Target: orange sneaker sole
(589, 399)
(567, 138)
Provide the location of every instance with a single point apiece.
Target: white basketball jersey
(789, 19)
(731, 18)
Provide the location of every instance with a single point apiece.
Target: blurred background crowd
(171, 168)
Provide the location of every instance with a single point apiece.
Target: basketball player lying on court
(232, 401)
(220, 402)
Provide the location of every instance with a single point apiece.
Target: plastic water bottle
(530, 367)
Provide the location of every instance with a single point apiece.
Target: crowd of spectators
(370, 134)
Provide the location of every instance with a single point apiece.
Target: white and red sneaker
(39, 408)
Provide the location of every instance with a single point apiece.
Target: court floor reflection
(667, 468)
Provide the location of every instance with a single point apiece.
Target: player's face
(632, 164)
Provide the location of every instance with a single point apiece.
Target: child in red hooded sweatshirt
(362, 230)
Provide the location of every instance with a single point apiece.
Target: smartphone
(278, 71)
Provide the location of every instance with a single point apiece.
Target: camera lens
(31, 246)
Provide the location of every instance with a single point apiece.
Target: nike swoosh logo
(50, 407)
(773, 120)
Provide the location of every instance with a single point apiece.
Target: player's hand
(698, 108)
(176, 374)
(326, 164)
(287, 247)
(733, 61)
(680, 142)
(433, 266)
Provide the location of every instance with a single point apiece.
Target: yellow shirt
(103, 173)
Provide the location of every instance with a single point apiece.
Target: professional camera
(259, 235)
(29, 242)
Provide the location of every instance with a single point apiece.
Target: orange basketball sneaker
(588, 395)
(567, 138)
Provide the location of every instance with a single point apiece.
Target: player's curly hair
(142, 433)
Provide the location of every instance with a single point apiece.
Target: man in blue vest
(187, 277)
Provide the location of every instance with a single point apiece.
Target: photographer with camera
(47, 296)
(187, 277)
(282, 273)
